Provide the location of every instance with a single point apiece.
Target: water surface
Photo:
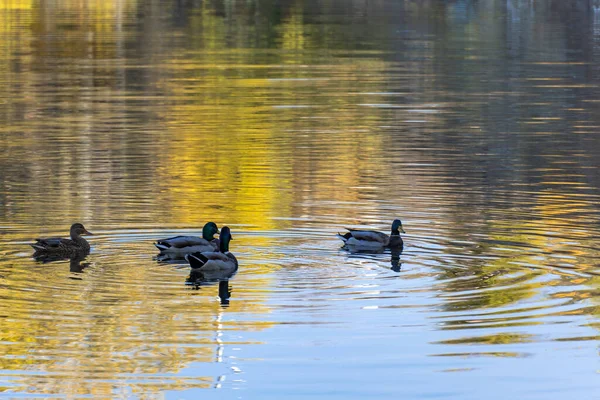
(475, 122)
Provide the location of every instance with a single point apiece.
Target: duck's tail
(196, 260)
(160, 246)
(345, 236)
(37, 247)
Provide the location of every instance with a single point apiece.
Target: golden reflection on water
(119, 319)
(145, 119)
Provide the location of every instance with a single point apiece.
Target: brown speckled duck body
(60, 247)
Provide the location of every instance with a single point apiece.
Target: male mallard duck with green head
(369, 239)
(179, 246)
(63, 248)
(219, 263)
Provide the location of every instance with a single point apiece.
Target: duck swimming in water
(370, 239)
(218, 263)
(56, 248)
(179, 246)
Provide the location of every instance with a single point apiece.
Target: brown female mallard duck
(60, 247)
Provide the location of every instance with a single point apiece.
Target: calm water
(476, 122)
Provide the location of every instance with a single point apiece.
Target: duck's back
(212, 261)
(183, 241)
(60, 246)
(368, 236)
(48, 243)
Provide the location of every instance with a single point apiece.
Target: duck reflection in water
(199, 279)
(395, 255)
(75, 263)
(396, 264)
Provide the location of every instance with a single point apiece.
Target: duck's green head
(209, 231)
(397, 227)
(224, 239)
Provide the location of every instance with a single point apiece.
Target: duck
(370, 239)
(220, 263)
(179, 246)
(54, 248)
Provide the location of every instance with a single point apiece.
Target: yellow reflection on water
(118, 320)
